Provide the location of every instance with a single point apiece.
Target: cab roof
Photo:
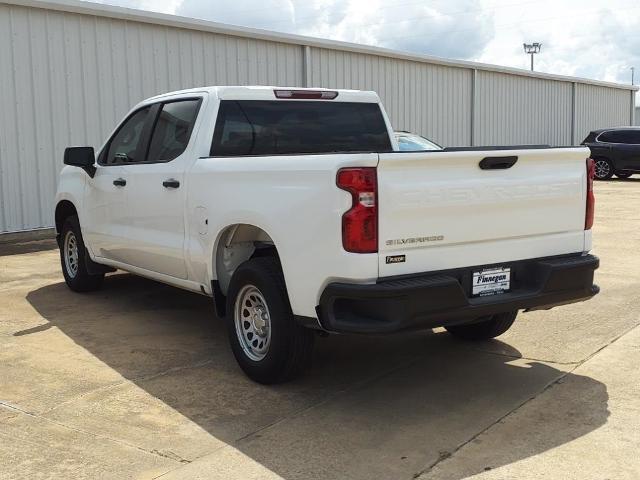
(267, 93)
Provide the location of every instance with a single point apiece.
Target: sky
(583, 38)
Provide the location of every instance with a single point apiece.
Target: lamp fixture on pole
(532, 49)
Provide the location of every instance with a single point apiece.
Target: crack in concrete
(15, 408)
(529, 359)
(444, 456)
(170, 455)
(42, 416)
(125, 381)
(167, 455)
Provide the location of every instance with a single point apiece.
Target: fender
(71, 188)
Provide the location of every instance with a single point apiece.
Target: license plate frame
(490, 281)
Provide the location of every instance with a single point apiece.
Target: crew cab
(294, 210)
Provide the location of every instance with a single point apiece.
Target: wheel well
(237, 244)
(64, 210)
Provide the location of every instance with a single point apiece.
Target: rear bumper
(443, 298)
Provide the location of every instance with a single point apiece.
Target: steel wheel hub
(70, 253)
(253, 322)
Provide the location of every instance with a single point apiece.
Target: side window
(632, 137)
(607, 137)
(621, 136)
(172, 130)
(235, 134)
(123, 147)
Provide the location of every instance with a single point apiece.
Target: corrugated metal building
(70, 70)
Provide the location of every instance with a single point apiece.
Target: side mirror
(82, 157)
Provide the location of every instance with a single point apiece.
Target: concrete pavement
(137, 381)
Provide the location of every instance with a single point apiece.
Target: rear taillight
(360, 222)
(591, 199)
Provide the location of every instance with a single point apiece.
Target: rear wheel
(623, 174)
(490, 327)
(73, 261)
(269, 345)
(604, 169)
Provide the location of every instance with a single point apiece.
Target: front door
(106, 226)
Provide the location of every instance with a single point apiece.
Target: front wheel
(73, 260)
(267, 342)
(491, 327)
(604, 169)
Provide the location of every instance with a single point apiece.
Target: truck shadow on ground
(371, 407)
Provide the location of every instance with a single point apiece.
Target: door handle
(119, 182)
(498, 163)
(171, 183)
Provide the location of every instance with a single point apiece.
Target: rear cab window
(280, 127)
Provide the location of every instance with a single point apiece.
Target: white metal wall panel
(67, 79)
(432, 100)
(600, 107)
(69, 71)
(522, 110)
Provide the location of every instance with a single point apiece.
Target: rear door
(441, 210)
(626, 150)
(622, 147)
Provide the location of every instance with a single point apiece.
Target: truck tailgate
(441, 210)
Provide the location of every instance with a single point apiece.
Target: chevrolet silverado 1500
(294, 211)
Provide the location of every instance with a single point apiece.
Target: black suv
(615, 150)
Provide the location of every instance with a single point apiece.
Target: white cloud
(580, 37)
(411, 25)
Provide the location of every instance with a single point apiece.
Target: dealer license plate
(491, 281)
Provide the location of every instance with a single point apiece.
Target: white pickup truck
(294, 211)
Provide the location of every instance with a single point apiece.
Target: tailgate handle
(498, 163)
(171, 183)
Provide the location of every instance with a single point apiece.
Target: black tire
(623, 175)
(290, 345)
(492, 327)
(603, 169)
(78, 279)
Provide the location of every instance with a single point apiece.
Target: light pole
(532, 49)
(633, 70)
